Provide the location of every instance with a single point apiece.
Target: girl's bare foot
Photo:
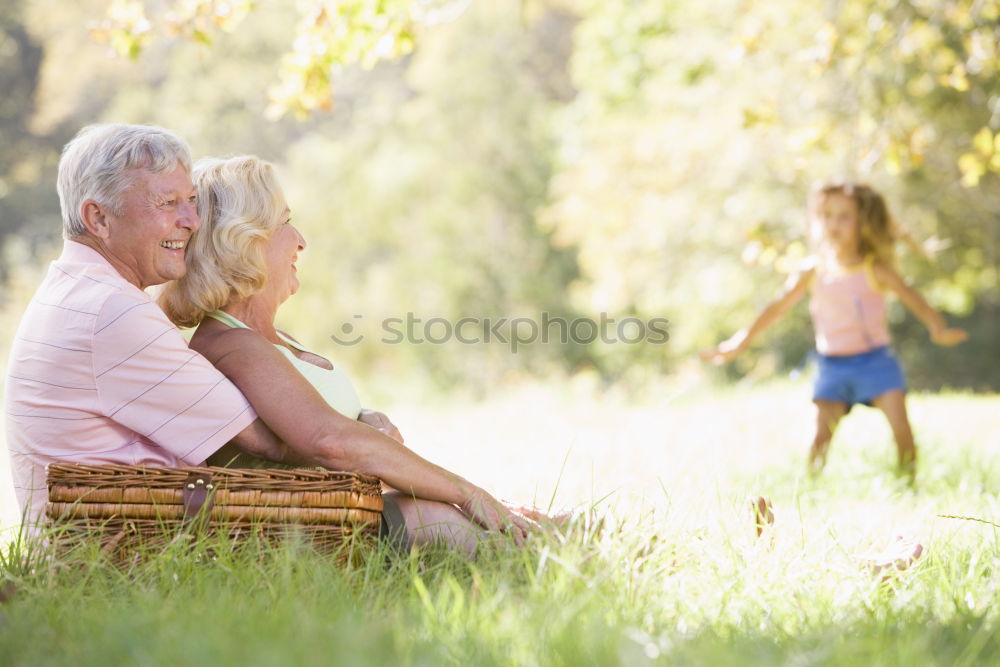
(763, 514)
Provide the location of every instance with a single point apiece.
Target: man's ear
(95, 219)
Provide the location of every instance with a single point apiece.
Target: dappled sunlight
(581, 163)
(698, 457)
(702, 455)
(669, 562)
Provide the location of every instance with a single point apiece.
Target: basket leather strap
(198, 495)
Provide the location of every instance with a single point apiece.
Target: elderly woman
(241, 268)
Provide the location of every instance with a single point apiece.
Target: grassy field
(675, 575)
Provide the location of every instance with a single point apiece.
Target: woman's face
(281, 254)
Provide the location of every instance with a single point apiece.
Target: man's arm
(260, 441)
(150, 381)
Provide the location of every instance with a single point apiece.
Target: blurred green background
(505, 159)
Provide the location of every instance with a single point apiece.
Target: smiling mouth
(173, 245)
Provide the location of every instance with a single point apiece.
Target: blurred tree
(665, 177)
(330, 36)
(701, 127)
(428, 204)
(20, 62)
(417, 192)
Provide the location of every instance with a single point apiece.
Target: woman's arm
(374, 418)
(316, 434)
(794, 289)
(917, 304)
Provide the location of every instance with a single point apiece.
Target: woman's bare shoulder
(214, 340)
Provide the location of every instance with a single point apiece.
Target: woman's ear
(95, 219)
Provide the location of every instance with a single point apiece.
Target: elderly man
(97, 372)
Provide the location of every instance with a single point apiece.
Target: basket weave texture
(326, 506)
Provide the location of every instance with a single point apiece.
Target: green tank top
(334, 386)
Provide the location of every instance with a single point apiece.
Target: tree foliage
(416, 191)
(20, 161)
(330, 35)
(700, 127)
(564, 156)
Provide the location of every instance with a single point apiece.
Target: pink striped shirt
(848, 311)
(98, 374)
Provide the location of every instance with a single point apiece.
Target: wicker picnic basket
(150, 505)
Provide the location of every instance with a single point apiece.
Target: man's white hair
(99, 164)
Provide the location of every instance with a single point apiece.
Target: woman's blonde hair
(240, 205)
(878, 231)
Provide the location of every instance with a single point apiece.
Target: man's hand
(379, 421)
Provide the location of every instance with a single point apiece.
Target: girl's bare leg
(893, 404)
(828, 414)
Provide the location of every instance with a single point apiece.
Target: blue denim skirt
(857, 378)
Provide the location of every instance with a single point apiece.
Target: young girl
(848, 275)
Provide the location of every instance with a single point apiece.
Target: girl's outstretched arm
(917, 304)
(794, 289)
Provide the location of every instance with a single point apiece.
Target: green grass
(675, 575)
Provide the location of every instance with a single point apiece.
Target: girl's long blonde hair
(878, 231)
(240, 205)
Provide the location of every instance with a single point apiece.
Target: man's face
(147, 242)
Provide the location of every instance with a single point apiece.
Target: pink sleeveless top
(848, 311)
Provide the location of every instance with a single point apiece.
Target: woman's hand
(493, 515)
(380, 422)
(949, 337)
